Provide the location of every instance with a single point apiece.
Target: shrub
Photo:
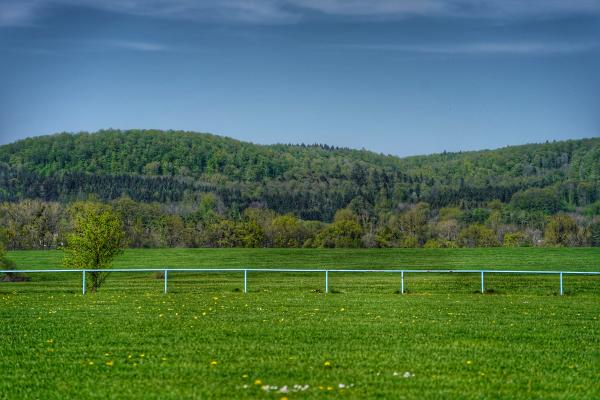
(477, 236)
(516, 239)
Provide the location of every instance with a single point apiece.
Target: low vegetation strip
(552, 259)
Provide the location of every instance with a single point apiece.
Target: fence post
(245, 281)
(166, 280)
(482, 287)
(402, 282)
(83, 283)
(561, 283)
(326, 281)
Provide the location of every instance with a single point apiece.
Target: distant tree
(595, 234)
(439, 244)
(97, 237)
(224, 234)
(477, 236)
(593, 209)
(286, 231)
(409, 241)
(561, 230)
(250, 234)
(546, 200)
(516, 239)
(340, 234)
(447, 229)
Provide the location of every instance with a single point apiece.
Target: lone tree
(96, 239)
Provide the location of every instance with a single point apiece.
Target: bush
(340, 234)
(439, 244)
(561, 230)
(516, 239)
(477, 236)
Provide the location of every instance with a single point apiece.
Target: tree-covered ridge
(190, 189)
(202, 155)
(310, 181)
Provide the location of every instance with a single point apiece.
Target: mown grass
(206, 339)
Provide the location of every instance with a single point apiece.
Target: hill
(310, 181)
(184, 174)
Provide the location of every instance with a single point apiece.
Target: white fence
(326, 272)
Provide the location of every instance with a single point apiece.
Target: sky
(399, 77)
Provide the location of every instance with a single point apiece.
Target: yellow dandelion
(258, 382)
(213, 363)
(327, 364)
(110, 363)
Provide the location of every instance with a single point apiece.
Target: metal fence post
(83, 283)
(245, 281)
(561, 283)
(402, 282)
(166, 280)
(482, 287)
(326, 281)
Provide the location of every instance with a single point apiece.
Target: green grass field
(285, 338)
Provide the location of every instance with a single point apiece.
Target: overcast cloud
(26, 12)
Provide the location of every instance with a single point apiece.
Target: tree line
(36, 224)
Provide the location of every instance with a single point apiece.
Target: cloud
(134, 45)
(22, 12)
(507, 48)
(17, 13)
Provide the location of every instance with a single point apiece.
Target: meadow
(288, 339)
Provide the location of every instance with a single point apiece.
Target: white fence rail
(326, 272)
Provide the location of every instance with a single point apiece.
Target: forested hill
(310, 181)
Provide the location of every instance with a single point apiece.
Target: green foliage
(286, 231)
(477, 236)
(595, 234)
(475, 216)
(178, 189)
(546, 200)
(250, 234)
(343, 233)
(561, 231)
(97, 237)
(439, 244)
(516, 239)
(311, 182)
(593, 209)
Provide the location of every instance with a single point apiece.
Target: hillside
(309, 181)
(184, 189)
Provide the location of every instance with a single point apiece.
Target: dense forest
(175, 188)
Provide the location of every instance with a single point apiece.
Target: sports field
(286, 338)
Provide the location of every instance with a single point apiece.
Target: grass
(206, 339)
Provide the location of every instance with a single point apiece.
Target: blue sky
(394, 76)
